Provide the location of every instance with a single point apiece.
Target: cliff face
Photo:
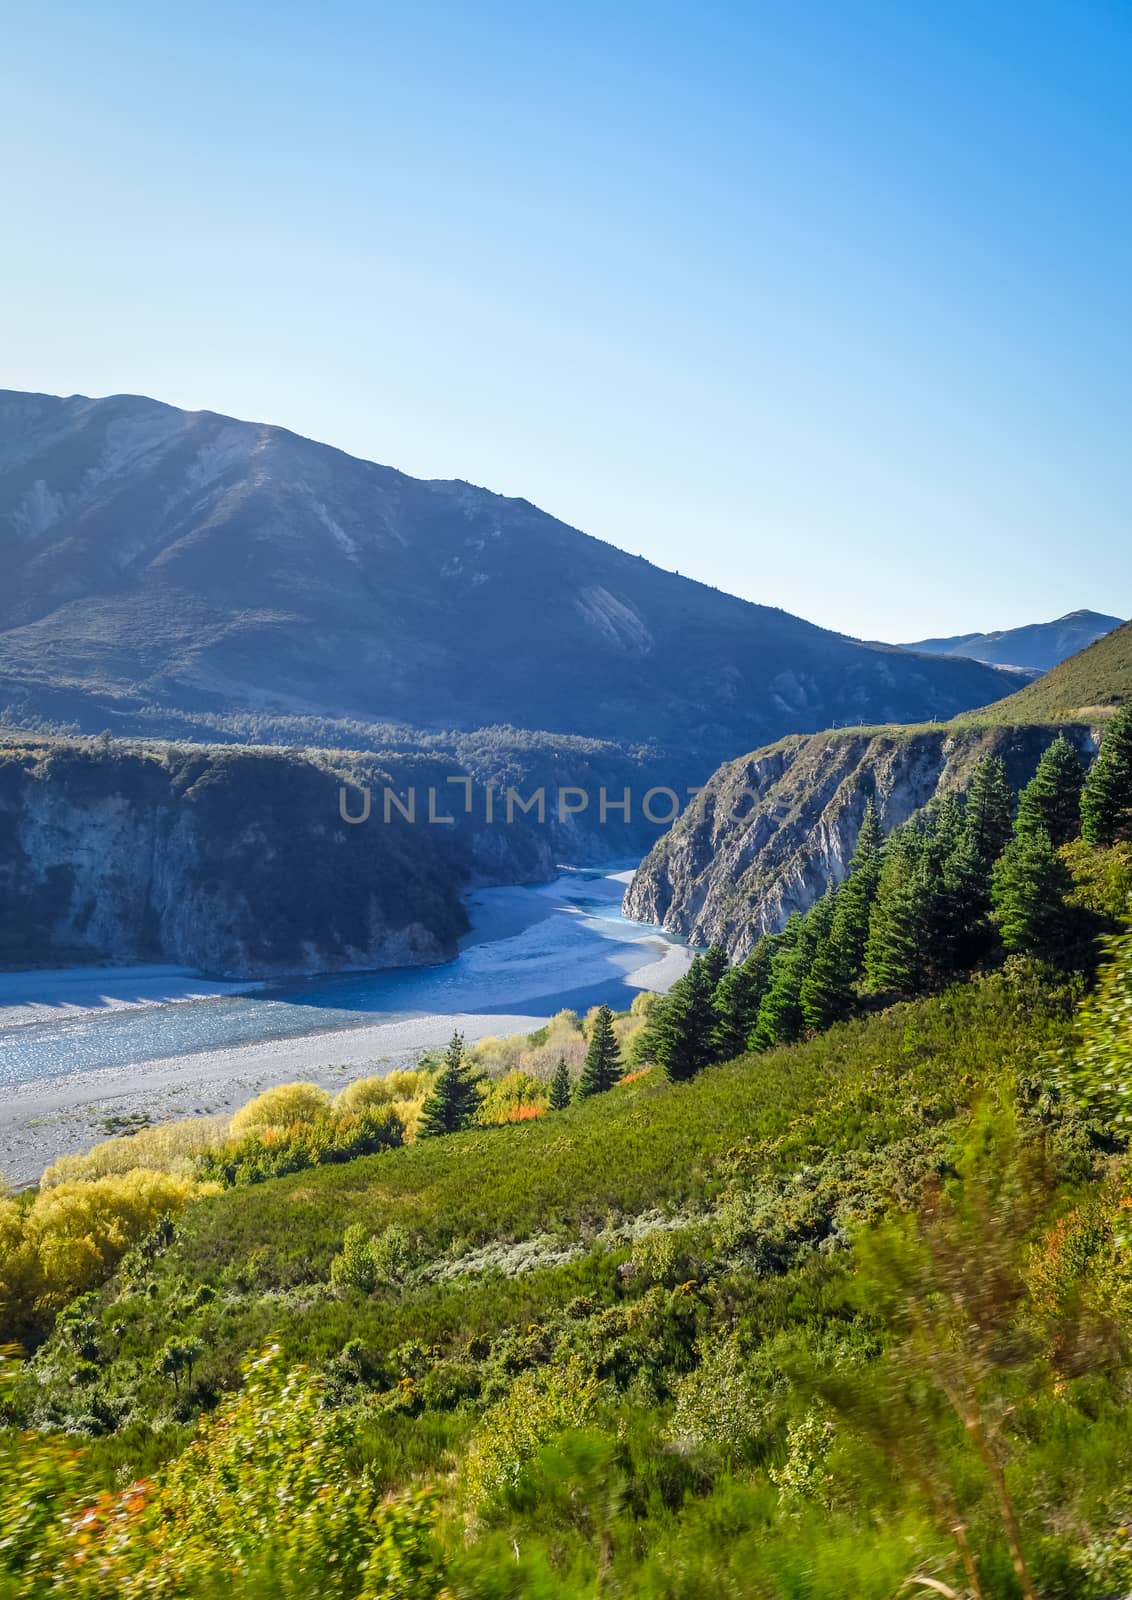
(236, 863)
(772, 831)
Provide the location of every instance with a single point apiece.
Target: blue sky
(829, 305)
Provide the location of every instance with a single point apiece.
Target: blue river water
(531, 951)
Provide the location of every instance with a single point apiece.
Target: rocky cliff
(234, 862)
(772, 830)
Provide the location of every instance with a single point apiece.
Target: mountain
(1038, 646)
(161, 564)
(1078, 689)
(772, 830)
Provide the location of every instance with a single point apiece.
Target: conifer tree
(897, 957)
(453, 1101)
(738, 996)
(781, 1019)
(1051, 801)
(824, 996)
(603, 1058)
(1106, 803)
(828, 989)
(1030, 883)
(988, 815)
(560, 1091)
(963, 910)
(685, 1040)
(960, 884)
(716, 963)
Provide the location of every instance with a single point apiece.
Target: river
(531, 951)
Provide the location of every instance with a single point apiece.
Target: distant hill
(1039, 646)
(1096, 679)
(162, 564)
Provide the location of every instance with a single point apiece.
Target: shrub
(281, 1107)
(72, 1237)
(539, 1405)
(268, 1493)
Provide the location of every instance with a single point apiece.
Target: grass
(860, 1091)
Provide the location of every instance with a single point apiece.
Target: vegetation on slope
(1079, 689)
(771, 831)
(665, 1343)
(847, 1315)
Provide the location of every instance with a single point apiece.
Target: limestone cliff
(772, 830)
(234, 862)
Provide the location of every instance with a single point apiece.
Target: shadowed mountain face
(1039, 646)
(156, 558)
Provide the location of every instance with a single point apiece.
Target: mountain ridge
(1036, 646)
(189, 562)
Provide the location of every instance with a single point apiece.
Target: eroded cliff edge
(235, 862)
(772, 830)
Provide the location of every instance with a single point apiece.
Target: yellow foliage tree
(281, 1107)
(72, 1237)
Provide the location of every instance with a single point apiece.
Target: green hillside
(844, 1312)
(627, 1348)
(1092, 681)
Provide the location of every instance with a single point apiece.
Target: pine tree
(603, 1058)
(781, 1018)
(897, 956)
(738, 996)
(989, 814)
(560, 1091)
(685, 1040)
(1106, 804)
(964, 907)
(453, 1101)
(1030, 883)
(716, 963)
(1051, 801)
(828, 990)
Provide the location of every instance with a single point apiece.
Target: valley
(554, 1176)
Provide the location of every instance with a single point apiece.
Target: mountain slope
(772, 830)
(1093, 681)
(190, 562)
(1040, 645)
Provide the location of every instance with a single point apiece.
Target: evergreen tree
(827, 992)
(963, 935)
(781, 1018)
(560, 1091)
(453, 1101)
(897, 956)
(716, 964)
(988, 816)
(823, 992)
(1029, 887)
(685, 1040)
(960, 891)
(1106, 804)
(1051, 801)
(603, 1058)
(738, 996)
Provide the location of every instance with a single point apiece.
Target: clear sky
(827, 304)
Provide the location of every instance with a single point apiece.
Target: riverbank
(48, 994)
(125, 1056)
(61, 1116)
